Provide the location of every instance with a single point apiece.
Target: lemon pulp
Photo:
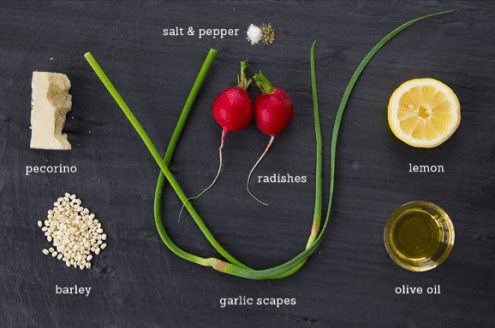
(423, 112)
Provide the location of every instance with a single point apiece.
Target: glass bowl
(419, 236)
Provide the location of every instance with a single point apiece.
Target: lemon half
(424, 112)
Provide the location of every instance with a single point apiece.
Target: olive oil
(419, 236)
(416, 234)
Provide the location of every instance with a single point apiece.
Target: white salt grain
(253, 34)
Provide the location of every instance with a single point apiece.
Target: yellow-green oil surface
(419, 235)
(416, 234)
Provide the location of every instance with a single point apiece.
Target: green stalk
(291, 265)
(263, 83)
(235, 267)
(174, 139)
(242, 81)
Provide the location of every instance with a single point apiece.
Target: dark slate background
(350, 280)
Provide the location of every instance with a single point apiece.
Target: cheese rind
(50, 103)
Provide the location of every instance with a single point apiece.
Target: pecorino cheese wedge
(50, 103)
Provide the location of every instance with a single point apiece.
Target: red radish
(273, 111)
(233, 110)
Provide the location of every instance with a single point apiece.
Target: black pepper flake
(267, 34)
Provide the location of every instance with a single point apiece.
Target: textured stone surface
(350, 281)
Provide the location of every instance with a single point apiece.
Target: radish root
(259, 160)
(224, 132)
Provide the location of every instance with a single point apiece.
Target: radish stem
(242, 81)
(259, 160)
(263, 83)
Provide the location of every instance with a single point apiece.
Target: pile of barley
(74, 231)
